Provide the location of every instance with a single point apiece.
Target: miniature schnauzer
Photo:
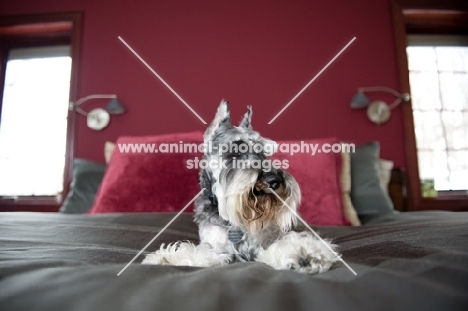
(239, 218)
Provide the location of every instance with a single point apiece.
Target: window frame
(419, 17)
(22, 36)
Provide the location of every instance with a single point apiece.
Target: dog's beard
(246, 202)
(260, 204)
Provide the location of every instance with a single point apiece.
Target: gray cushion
(368, 196)
(87, 176)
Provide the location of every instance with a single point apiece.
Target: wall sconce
(378, 111)
(98, 118)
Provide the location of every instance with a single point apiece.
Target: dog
(239, 218)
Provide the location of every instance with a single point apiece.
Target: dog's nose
(273, 180)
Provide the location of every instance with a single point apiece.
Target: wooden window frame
(424, 17)
(37, 30)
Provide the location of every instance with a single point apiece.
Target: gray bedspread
(411, 261)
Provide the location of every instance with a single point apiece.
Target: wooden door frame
(35, 29)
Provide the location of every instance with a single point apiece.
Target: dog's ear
(222, 118)
(247, 119)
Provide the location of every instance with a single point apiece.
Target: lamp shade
(359, 101)
(115, 107)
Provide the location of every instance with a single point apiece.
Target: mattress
(406, 261)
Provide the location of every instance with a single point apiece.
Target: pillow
(87, 177)
(108, 150)
(319, 178)
(367, 194)
(345, 178)
(149, 182)
(385, 173)
(159, 182)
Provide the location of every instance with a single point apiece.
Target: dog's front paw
(156, 258)
(187, 254)
(307, 262)
(300, 252)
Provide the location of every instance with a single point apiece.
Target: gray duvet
(410, 261)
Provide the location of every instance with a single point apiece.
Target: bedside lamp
(378, 111)
(98, 118)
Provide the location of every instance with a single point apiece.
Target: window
(438, 72)
(33, 124)
(434, 121)
(39, 61)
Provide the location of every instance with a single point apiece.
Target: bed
(64, 261)
(407, 261)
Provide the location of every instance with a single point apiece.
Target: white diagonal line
(313, 79)
(160, 232)
(161, 79)
(313, 231)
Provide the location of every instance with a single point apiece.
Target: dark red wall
(258, 53)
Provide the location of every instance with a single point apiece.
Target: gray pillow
(368, 196)
(87, 177)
